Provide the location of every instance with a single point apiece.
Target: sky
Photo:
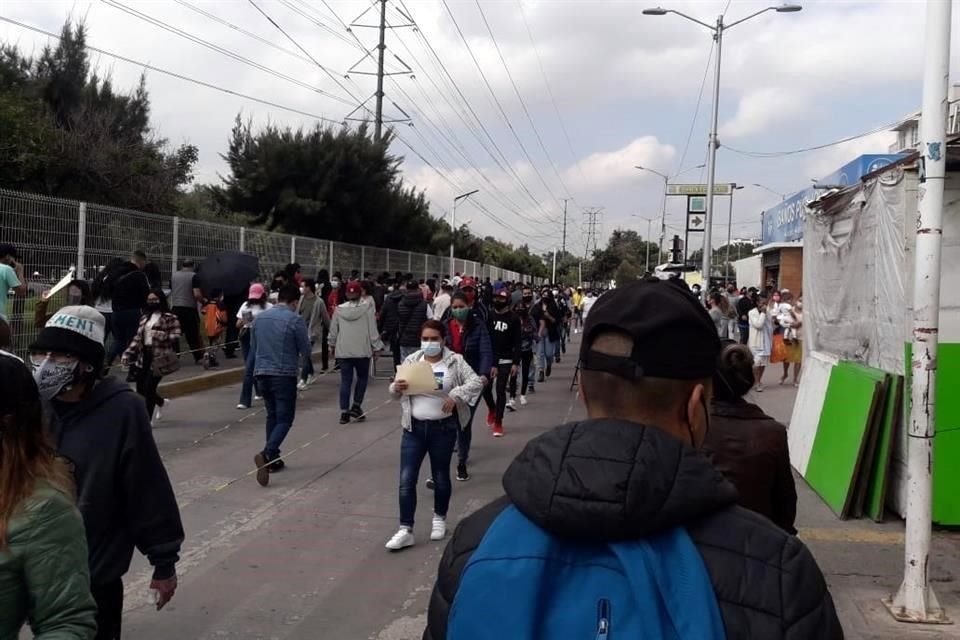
(573, 94)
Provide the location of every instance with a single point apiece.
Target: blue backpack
(522, 583)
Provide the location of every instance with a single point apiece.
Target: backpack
(523, 582)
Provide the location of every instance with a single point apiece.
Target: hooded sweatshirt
(354, 330)
(123, 491)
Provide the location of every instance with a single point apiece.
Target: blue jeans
(280, 401)
(308, 365)
(436, 439)
(347, 368)
(465, 436)
(547, 352)
(249, 382)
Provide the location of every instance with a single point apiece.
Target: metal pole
(378, 130)
(580, 273)
(293, 249)
(647, 268)
(663, 218)
(733, 189)
(176, 247)
(243, 238)
(916, 601)
(453, 234)
(331, 258)
(363, 261)
(564, 244)
(81, 240)
(712, 165)
(554, 279)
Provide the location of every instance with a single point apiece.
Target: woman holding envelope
(436, 388)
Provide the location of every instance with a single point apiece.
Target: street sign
(696, 204)
(698, 189)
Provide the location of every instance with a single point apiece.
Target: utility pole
(733, 189)
(563, 250)
(554, 280)
(916, 601)
(381, 48)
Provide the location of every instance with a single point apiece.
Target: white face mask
(335, 284)
(53, 378)
(431, 349)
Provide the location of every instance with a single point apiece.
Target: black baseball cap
(673, 336)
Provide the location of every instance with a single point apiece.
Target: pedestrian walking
(719, 310)
(390, 322)
(430, 424)
(618, 525)
(412, 312)
(746, 445)
(467, 335)
(215, 322)
(129, 295)
(185, 296)
(44, 575)
(442, 301)
(278, 346)
(529, 336)
(505, 333)
(743, 306)
(256, 304)
(102, 291)
(11, 277)
(123, 491)
(152, 352)
(547, 314)
(354, 341)
(761, 338)
(314, 313)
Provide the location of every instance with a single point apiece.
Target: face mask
(500, 305)
(153, 306)
(460, 314)
(335, 284)
(53, 378)
(556, 293)
(431, 349)
(528, 299)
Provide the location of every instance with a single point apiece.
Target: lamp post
(647, 238)
(453, 225)
(734, 187)
(666, 184)
(783, 196)
(718, 30)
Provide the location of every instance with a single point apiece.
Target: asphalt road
(304, 557)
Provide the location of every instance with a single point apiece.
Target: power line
(790, 152)
(174, 74)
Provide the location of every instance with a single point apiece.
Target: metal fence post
(426, 266)
(409, 263)
(387, 269)
(81, 240)
(363, 261)
(243, 238)
(293, 249)
(331, 258)
(176, 247)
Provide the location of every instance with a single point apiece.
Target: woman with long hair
(44, 574)
(746, 445)
(153, 350)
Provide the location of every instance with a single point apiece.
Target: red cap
(256, 291)
(354, 287)
(468, 283)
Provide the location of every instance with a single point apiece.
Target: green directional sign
(698, 189)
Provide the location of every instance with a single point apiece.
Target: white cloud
(605, 169)
(762, 108)
(826, 161)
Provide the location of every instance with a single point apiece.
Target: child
(215, 322)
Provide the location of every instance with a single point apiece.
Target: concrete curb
(207, 380)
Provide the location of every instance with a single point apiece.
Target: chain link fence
(53, 235)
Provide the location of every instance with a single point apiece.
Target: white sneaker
(511, 404)
(256, 397)
(311, 379)
(759, 388)
(301, 385)
(439, 529)
(157, 416)
(401, 540)
(242, 406)
(523, 401)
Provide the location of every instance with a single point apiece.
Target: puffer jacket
(750, 449)
(612, 480)
(44, 579)
(412, 313)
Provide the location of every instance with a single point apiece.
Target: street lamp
(734, 187)
(453, 225)
(783, 196)
(718, 30)
(666, 182)
(647, 239)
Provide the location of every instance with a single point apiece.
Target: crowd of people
(671, 452)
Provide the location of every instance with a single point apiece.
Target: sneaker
(431, 485)
(205, 362)
(439, 529)
(532, 389)
(357, 413)
(345, 417)
(462, 474)
(401, 540)
(523, 400)
(759, 388)
(301, 385)
(491, 419)
(256, 397)
(277, 465)
(263, 472)
(157, 415)
(549, 370)
(243, 406)
(540, 378)
(311, 379)
(512, 404)
(558, 358)
(498, 430)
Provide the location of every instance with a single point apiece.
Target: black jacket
(411, 314)
(390, 316)
(505, 334)
(750, 449)
(130, 287)
(612, 480)
(123, 491)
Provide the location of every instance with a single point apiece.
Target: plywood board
(880, 476)
(867, 460)
(808, 406)
(850, 403)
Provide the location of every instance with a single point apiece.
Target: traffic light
(676, 250)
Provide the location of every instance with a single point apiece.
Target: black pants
(125, 325)
(109, 599)
(503, 377)
(190, 325)
(147, 383)
(526, 359)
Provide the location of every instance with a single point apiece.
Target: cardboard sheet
(418, 376)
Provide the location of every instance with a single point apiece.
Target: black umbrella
(230, 271)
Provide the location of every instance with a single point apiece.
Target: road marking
(866, 536)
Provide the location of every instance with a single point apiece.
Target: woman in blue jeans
(430, 420)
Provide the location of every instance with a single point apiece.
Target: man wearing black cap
(101, 428)
(631, 480)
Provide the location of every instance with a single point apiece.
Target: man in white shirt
(442, 302)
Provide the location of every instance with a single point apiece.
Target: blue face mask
(431, 349)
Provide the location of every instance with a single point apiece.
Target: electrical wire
(790, 152)
(174, 74)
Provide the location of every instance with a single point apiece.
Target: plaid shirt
(165, 337)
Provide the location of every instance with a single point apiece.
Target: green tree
(65, 131)
(623, 246)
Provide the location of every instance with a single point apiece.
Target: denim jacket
(278, 342)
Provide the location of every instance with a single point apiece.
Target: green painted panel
(946, 478)
(852, 397)
(880, 473)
